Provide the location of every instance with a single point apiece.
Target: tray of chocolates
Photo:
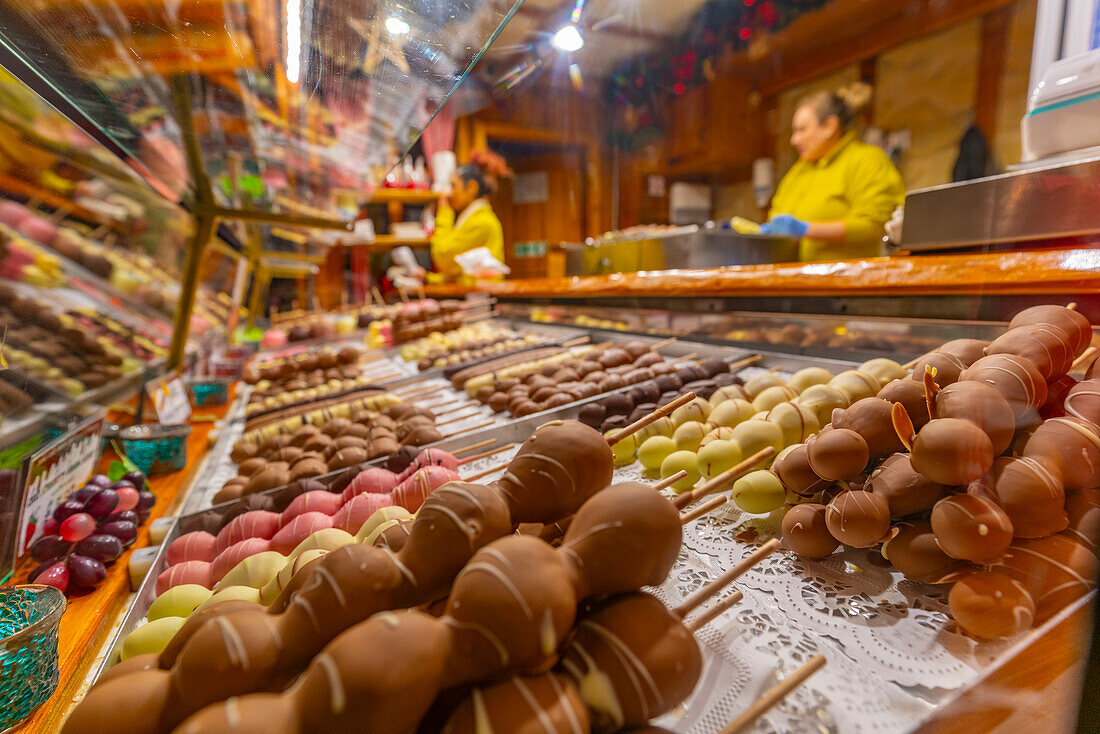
(914, 562)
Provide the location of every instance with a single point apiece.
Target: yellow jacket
(855, 183)
(479, 227)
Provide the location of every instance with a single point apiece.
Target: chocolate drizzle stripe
(502, 651)
(302, 602)
(504, 581)
(1073, 411)
(232, 712)
(234, 645)
(274, 630)
(450, 488)
(405, 571)
(327, 576)
(540, 712)
(468, 532)
(337, 696)
(593, 531)
(1053, 562)
(593, 669)
(633, 665)
(574, 723)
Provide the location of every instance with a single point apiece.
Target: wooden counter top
(1053, 271)
(90, 617)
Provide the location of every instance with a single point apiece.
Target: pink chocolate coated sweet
(374, 480)
(234, 554)
(318, 500)
(426, 458)
(254, 524)
(411, 493)
(353, 514)
(298, 530)
(188, 572)
(197, 546)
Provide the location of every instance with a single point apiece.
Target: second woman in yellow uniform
(465, 220)
(839, 195)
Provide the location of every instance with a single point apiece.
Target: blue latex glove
(785, 225)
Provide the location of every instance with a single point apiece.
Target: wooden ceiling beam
(794, 62)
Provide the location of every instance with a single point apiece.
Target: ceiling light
(568, 39)
(396, 26)
(293, 40)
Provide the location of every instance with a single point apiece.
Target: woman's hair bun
(856, 96)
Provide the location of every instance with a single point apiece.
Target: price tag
(55, 471)
(170, 400)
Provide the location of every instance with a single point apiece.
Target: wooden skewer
(467, 430)
(474, 447)
(681, 501)
(485, 473)
(378, 295)
(662, 344)
(775, 369)
(732, 600)
(486, 454)
(577, 341)
(719, 481)
(911, 363)
(371, 357)
(455, 419)
(725, 579)
(686, 357)
(462, 405)
(411, 386)
(776, 694)
(654, 416)
(745, 362)
(1086, 356)
(669, 481)
(421, 393)
(703, 509)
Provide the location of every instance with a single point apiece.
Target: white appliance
(689, 203)
(1063, 111)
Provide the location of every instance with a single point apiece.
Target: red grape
(85, 572)
(127, 498)
(135, 478)
(49, 546)
(103, 503)
(84, 494)
(146, 500)
(67, 508)
(121, 529)
(50, 526)
(101, 480)
(77, 527)
(101, 547)
(127, 515)
(56, 575)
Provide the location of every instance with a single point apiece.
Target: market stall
(261, 473)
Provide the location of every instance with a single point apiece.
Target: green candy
(689, 436)
(624, 451)
(752, 436)
(681, 461)
(152, 638)
(718, 456)
(731, 412)
(653, 451)
(758, 493)
(179, 601)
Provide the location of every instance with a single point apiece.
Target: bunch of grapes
(89, 529)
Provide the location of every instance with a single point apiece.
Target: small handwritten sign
(170, 400)
(55, 471)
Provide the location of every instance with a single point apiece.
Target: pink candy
(254, 524)
(198, 546)
(374, 480)
(429, 457)
(298, 530)
(412, 492)
(234, 554)
(353, 514)
(316, 501)
(188, 572)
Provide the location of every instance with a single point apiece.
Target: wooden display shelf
(19, 187)
(89, 618)
(1033, 272)
(384, 242)
(412, 197)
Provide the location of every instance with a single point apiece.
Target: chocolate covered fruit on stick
(554, 472)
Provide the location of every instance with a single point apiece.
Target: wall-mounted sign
(530, 188)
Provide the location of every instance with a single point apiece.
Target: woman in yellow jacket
(839, 195)
(465, 220)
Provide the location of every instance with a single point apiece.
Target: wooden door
(558, 216)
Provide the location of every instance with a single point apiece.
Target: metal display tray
(743, 647)
(506, 430)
